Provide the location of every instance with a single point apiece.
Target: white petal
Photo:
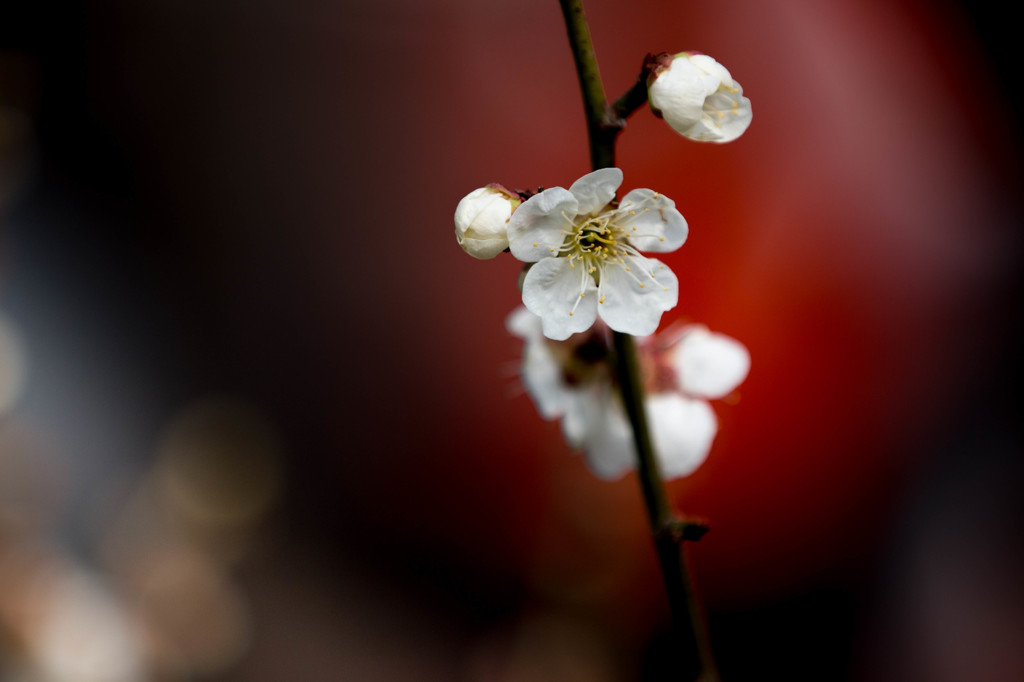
(564, 297)
(727, 115)
(524, 324)
(595, 190)
(713, 74)
(608, 443)
(483, 249)
(682, 431)
(577, 417)
(535, 229)
(678, 93)
(544, 380)
(710, 365)
(659, 226)
(633, 299)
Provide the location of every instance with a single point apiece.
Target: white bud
(481, 220)
(698, 98)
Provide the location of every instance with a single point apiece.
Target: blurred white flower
(481, 220)
(572, 381)
(698, 98)
(586, 255)
(80, 632)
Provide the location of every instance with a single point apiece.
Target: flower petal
(544, 381)
(608, 440)
(524, 324)
(565, 297)
(682, 431)
(659, 226)
(678, 93)
(636, 294)
(727, 115)
(481, 248)
(535, 229)
(595, 190)
(710, 365)
(577, 417)
(713, 74)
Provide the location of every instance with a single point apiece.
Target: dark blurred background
(260, 417)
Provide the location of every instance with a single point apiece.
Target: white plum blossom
(585, 251)
(481, 220)
(572, 381)
(698, 98)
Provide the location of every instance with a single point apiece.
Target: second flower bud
(481, 220)
(697, 97)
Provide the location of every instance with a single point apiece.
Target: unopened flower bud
(697, 97)
(481, 220)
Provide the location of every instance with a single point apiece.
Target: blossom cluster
(584, 247)
(682, 369)
(587, 273)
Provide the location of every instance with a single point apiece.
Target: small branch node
(679, 530)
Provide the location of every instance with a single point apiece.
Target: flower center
(598, 242)
(596, 239)
(721, 104)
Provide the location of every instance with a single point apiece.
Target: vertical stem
(659, 511)
(696, 658)
(603, 127)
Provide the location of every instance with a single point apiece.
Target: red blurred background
(264, 400)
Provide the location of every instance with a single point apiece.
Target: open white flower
(572, 381)
(481, 220)
(586, 255)
(698, 98)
